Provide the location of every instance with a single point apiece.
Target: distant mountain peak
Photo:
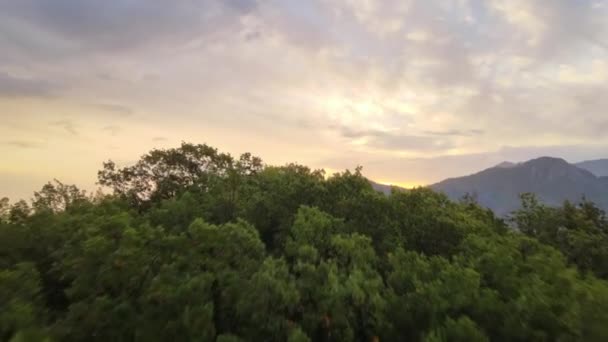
(552, 179)
(548, 161)
(538, 162)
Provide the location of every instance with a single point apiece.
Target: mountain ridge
(598, 167)
(552, 179)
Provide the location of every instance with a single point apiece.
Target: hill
(385, 188)
(553, 180)
(598, 167)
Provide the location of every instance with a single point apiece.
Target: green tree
(163, 174)
(5, 208)
(57, 197)
(22, 315)
(278, 193)
(19, 212)
(197, 246)
(269, 302)
(579, 231)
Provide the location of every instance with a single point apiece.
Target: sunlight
(406, 185)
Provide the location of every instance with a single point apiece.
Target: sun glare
(406, 185)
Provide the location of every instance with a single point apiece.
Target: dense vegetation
(194, 245)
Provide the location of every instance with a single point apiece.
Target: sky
(414, 91)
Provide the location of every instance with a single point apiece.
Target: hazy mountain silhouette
(598, 167)
(553, 180)
(506, 165)
(384, 188)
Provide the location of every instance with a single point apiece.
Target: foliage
(195, 245)
(579, 231)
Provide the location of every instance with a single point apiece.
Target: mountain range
(553, 180)
(598, 167)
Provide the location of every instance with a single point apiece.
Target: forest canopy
(191, 244)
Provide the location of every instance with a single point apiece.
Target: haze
(415, 91)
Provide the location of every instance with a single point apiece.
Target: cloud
(66, 125)
(13, 86)
(370, 81)
(112, 129)
(110, 25)
(545, 28)
(23, 144)
(115, 109)
(398, 141)
(456, 132)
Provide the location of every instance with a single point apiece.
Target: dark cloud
(12, 86)
(120, 24)
(159, 139)
(242, 6)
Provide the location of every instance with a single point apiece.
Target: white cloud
(418, 36)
